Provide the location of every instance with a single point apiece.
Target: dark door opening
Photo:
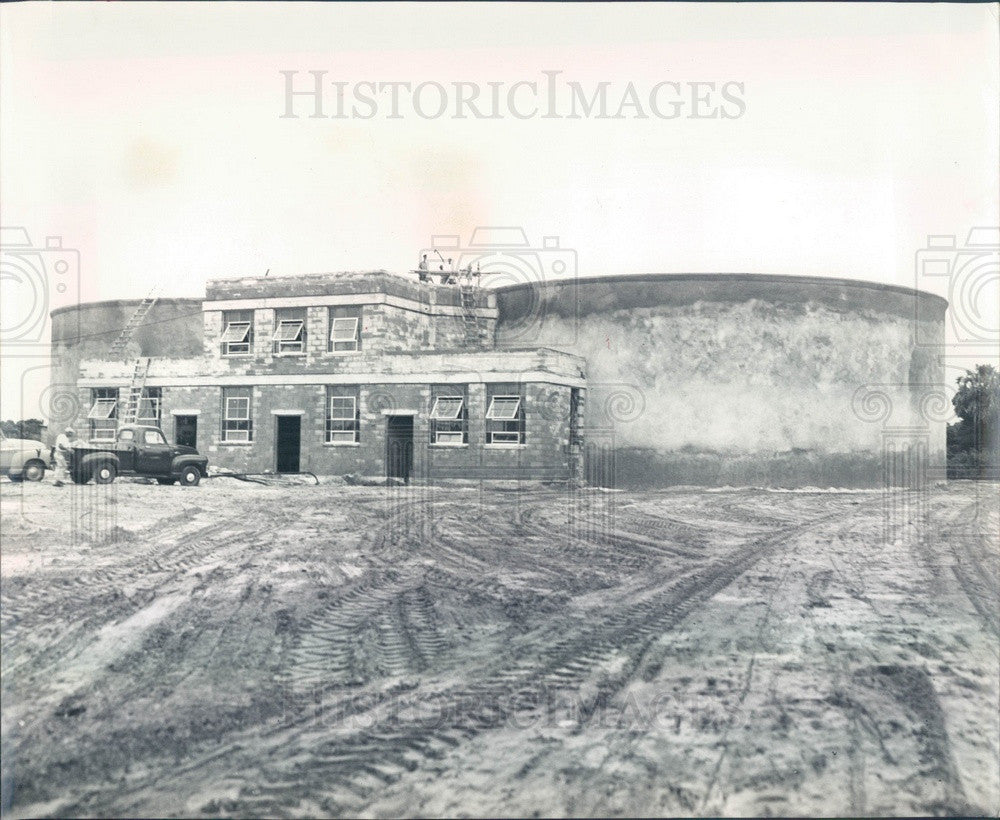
(288, 440)
(399, 447)
(186, 431)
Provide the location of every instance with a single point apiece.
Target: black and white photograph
(499, 409)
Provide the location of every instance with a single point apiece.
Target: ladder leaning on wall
(475, 331)
(118, 345)
(133, 401)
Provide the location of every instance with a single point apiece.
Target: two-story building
(372, 374)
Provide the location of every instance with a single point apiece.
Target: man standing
(64, 443)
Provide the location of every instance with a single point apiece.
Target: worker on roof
(422, 269)
(64, 443)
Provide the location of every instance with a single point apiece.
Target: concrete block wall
(384, 329)
(363, 363)
(544, 454)
(317, 332)
(214, 326)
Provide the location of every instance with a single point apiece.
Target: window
(103, 413)
(237, 422)
(289, 331)
(449, 414)
(504, 414)
(150, 406)
(237, 334)
(126, 435)
(153, 437)
(345, 328)
(504, 408)
(343, 418)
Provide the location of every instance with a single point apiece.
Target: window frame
(95, 416)
(244, 347)
(343, 429)
(338, 313)
(105, 427)
(437, 415)
(237, 429)
(296, 345)
(503, 398)
(449, 431)
(508, 430)
(154, 401)
(348, 344)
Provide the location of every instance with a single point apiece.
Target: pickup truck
(23, 459)
(138, 450)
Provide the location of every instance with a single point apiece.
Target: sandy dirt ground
(250, 650)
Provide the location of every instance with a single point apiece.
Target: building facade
(368, 374)
(625, 381)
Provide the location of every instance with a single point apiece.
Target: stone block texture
(412, 336)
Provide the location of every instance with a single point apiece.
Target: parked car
(138, 450)
(23, 459)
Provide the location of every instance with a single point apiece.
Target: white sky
(148, 137)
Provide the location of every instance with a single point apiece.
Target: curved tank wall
(728, 379)
(173, 327)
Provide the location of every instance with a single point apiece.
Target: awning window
(102, 409)
(236, 332)
(447, 408)
(504, 408)
(288, 330)
(344, 330)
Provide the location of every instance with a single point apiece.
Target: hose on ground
(252, 477)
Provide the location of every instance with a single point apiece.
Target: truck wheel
(33, 471)
(17, 479)
(164, 481)
(190, 476)
(105, 473)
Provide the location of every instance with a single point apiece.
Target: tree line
(974, 440)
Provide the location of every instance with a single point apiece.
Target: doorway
(288, 438)
(186, 431)
(399, 447)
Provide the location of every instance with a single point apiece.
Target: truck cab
(139, 450)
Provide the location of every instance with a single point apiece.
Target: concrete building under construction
(368, 374)
(625, 380)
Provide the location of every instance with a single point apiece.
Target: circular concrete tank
(173, 328)
(732, 379)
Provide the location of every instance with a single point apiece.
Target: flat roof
(749, 278)
(173, 300)
(647, 278)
